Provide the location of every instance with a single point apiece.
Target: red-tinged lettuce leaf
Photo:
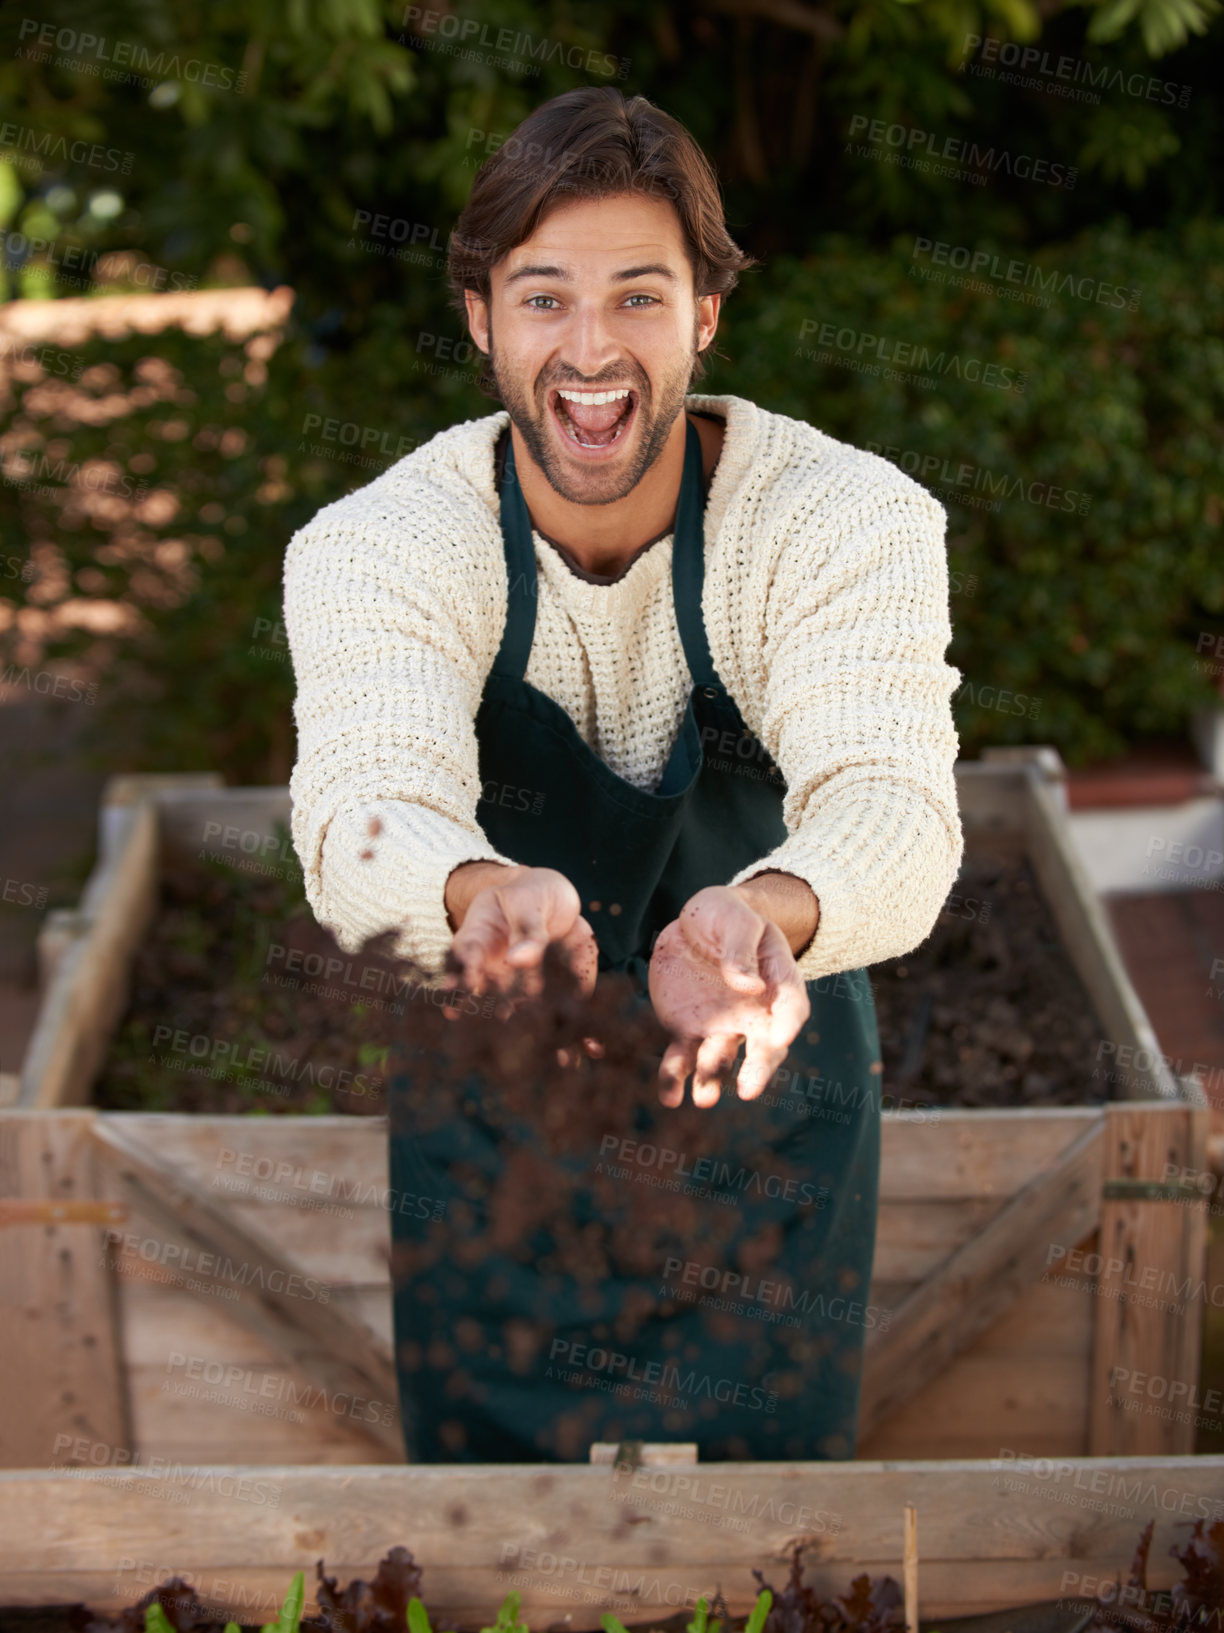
(795, 1609)
(873, 1605)
(1202, 1560)
(1139, 1565)
(1196, 1603)
(380, 1606)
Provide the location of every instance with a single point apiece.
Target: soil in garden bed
(241, 1002)
(989, 1010)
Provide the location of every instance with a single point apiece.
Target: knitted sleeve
(855, 707)
(393, 613)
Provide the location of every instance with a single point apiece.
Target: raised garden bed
(1005, 1330)
(981, 1209)
(580, 1541)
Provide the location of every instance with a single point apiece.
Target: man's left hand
(722, 974)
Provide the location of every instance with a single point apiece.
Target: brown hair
(585, 144)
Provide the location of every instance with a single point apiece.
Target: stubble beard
(598, 485)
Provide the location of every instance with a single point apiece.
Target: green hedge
(1079, 448)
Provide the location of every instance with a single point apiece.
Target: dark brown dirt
(241, 1002)
(224, 1016)
(989, 1010)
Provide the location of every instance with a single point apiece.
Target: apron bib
(750, 1367)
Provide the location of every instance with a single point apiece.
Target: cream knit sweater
(826, 609)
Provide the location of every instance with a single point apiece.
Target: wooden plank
(947, 1155)
(944, 1154)
(148, 1329)
(914, 1238)
(340, 1251)
(980, 1280)
(1086, 934)
(1041, 1323)
(280, 1151)
(578, 1535)
(203, 1388)
(60, 1362)
(89, 989)
(1023, 1384)
(194, 821)
(278, 1298)
(982, 1403)
(1154, 1255)
(990, 799)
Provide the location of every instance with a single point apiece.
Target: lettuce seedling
(418, 1616)
(701, 1622)
(760, 1612)
(290, 1617)
(508, 1616)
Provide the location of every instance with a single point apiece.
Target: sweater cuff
(838, 939)
(402, 884)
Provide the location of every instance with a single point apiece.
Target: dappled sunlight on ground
(59, 495)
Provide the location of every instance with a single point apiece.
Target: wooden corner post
(1151, 1286)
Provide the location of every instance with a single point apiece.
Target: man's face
(598, 300)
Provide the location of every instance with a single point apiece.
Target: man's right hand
(505, 917)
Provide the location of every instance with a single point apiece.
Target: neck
(603, 538)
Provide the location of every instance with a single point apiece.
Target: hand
(722, 974)
(506, 917)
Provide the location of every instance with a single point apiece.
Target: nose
(589, 345)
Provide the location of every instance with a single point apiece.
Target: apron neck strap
(688, 571)
(688, 567)
(515, 649)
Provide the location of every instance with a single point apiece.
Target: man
(659, 678)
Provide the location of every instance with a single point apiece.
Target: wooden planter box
(985, 1351)
(578, 1541)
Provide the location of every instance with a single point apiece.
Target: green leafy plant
(418, 1616)
(290, 1616)
(760, 1612)
(701, 1622)
(508, 1616)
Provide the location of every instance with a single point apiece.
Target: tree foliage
(329, 144)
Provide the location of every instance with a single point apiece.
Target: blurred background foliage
(329, 144)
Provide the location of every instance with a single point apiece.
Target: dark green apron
(751, 1367)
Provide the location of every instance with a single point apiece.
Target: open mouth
(593, 420)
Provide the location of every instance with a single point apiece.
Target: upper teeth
(592, 397)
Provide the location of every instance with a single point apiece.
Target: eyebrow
(657, 268)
